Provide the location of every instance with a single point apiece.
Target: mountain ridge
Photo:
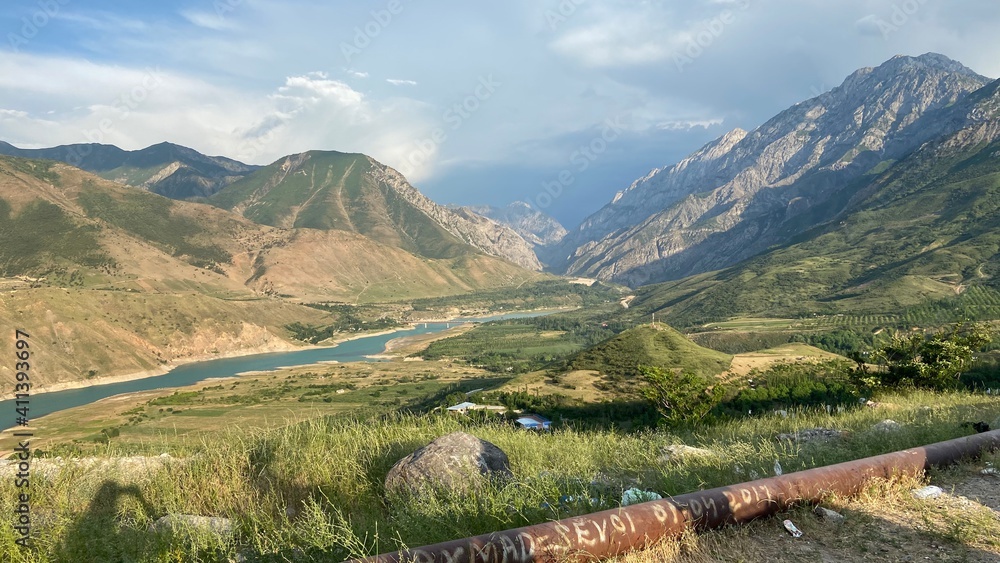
(741, 193)
(355, 193)
(165, 168)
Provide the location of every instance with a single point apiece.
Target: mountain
(748, 191)
(916, 243)
(119, 280)
(534, 226)
(166, 169)
(329, 190)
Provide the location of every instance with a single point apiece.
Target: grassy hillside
(119, 280)
(620, 356)
(331, 190)
(313, 490)
(925, 232)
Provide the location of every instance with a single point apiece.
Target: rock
(192, 524)
(636, 496)
(677, 452)
(457, 462)
(930, 491)
(811, 435)
(828, 515)
(887, 425)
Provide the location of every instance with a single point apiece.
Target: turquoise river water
(188, 374)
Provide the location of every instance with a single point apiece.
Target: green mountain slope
(330, 190)
(351, 192)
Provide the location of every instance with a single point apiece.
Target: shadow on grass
(110, 528)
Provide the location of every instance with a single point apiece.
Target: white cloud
(685, 125)
(869, 25)
(357, 74)
(103, 21)
(625, 40)
(400, 82)
(134, 108)
(208, 20)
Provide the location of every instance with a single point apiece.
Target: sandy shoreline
(282, 347)
(81, 384)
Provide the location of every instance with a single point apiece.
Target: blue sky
(560, 103)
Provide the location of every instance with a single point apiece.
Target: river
(356, 350)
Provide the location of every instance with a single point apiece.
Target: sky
(560, 103)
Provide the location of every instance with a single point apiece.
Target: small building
(461, 408)
(465, 407)
(533, 422)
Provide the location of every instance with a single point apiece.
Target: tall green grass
(313, 490)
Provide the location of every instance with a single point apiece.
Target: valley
(261, 343)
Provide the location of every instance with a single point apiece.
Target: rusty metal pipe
(613, 532)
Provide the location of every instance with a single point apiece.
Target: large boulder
(457, 462)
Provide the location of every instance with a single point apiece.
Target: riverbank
(275, 346)
(280, 346)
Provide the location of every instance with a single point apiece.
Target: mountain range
(714, 235)
(166, 169)
(318, 189)
(749, 191)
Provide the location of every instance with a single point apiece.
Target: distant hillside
(120, 280)
(352, 192)
(924, 231)
(166, 169)
(534, 226)
(620, 357)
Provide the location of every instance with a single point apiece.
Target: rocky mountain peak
(534, 226)
(803, 155)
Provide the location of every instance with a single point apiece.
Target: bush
(927, 361)
(681, 399)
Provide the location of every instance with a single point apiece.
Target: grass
(182, 420)
(149, 216)
(647, 346)
(313, 490)
(42, 237)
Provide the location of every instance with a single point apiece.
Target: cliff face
(747, 191)
(534, 226)
(481, 232)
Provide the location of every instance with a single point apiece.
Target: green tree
(928, 361)
(681, 399)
